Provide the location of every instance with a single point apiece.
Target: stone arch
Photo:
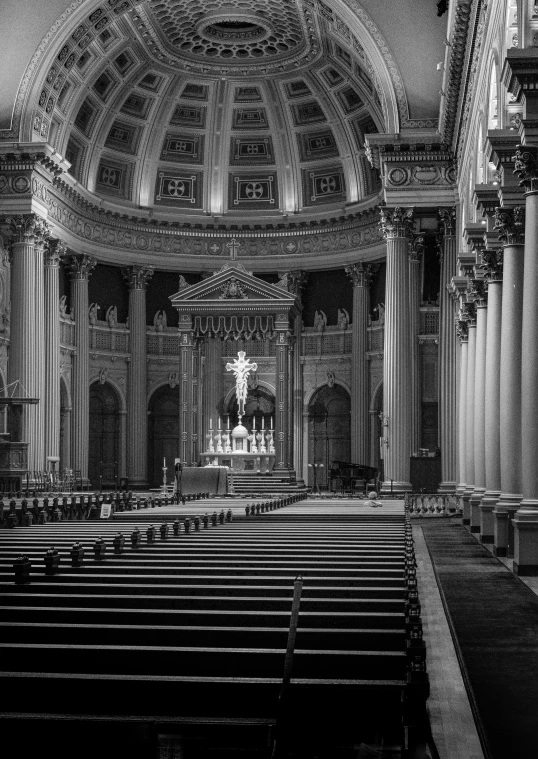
(329, 430)
(104, 462)
(163, 431)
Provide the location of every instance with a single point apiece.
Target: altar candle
(253, 422)
(263, 422)
(219, 423)
(228, 421)
(164, 463)
(271, 422)
(211, 424)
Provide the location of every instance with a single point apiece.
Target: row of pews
(261, 637)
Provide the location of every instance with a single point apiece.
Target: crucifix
(233, 246)
(241, 368)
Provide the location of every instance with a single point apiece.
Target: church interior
(269, 378)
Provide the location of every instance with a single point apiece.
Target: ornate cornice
(396, 222)
(455, 65)
(361, 274)
(81, 267)
(510, 225)
(137, 277)
(526, 167)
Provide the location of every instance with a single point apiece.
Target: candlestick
(220, 423)
(263, 422)
(228, 421)
(164, 462)
(271, 422)
(211, 424)
(253, 422)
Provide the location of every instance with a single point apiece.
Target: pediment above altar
(233, 286)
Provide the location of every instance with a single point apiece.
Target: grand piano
(345, 477)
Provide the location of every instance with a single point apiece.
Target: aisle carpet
(494, 618)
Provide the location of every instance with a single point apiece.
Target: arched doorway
(260, 406)
(163, 432)
(329, 430)
(104, 458)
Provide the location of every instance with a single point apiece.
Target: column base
(526, 538)
(392, 487)
(447, 487)
(466, 496)
(476, 500)
(503, 531)
(489, 501)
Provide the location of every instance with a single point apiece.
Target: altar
(240, 462)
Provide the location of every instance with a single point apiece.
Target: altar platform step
(270, 482)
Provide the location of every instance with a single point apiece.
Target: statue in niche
(320, 321)
(252, 381)
(283, 281)
(331, 379)
(380, 314)
(182, 282)
(112, 317)
(343, 319)
(63, 307)
(173, 379)
(92, 313)
(159, 321)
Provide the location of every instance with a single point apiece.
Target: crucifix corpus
(241, 367)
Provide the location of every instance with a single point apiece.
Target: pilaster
(137, 278)
(416, 253)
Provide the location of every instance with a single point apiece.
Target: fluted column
(396, 224)
(510, 225)
(492, 260)
(462, 332)
(27, 338)
(361, 275)
(54, 251)
(448, 412)
(480, 294)
(416, 253)
(81, 268)
(212, 390)
(187, 399)
(282, 400)
(526, 518)
(469, 413)
(137, 278)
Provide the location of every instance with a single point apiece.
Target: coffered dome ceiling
(229, 109)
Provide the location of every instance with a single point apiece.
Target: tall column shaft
(469, 422)
(509, 379)
(81, 267)
(361, 275)
(397, 365)
(27, 351)
(414, 329)
(52, 349)
(282, 399)
(137, 278)
(298, 394)
(212, 384)
(448, 413)
(462, 417)
(479, 416)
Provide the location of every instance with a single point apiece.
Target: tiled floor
(451, 718)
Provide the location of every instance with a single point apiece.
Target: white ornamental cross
(233, 246)
(241, 367)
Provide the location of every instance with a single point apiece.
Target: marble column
(479, 290)
(54, 251)
(137, 278)
(80, 269)
(296, 280)
(509, 222)
(448, 412)
(27, 337)
(492, 263)
(282, 399)
(187, 399)
(212, 390)
(416, 254)
(396, 225)
(361, 275)
(526, 518)
(462, 332)
(469, 412)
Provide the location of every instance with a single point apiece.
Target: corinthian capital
(137, 277)
(447, 221)
(492, 264)
(395, 222)
(54, 251)
(526, 166)
(361, 274)
(510, 224)
(80, 267)
(29, 228)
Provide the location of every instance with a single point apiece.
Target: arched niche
(260, 406)
(329, 430)
(163, 433)
(105, 435)
(65, 426)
